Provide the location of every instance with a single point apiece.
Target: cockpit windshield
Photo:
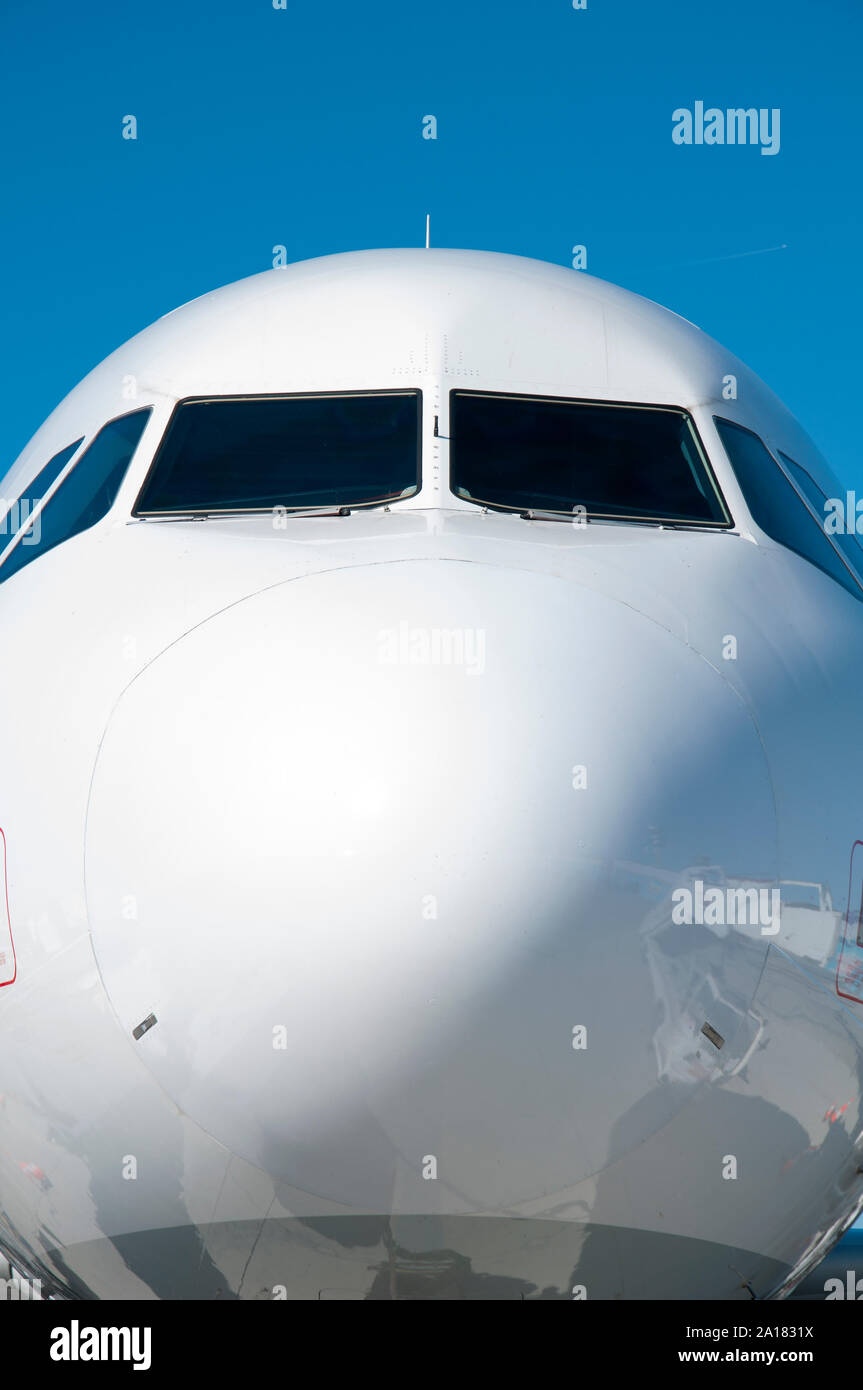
(235, 454)
(541, 454)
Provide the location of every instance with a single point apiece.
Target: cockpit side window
(598, 459)
(15, 513)
(776, 505)
(85, 495)
(839, 520)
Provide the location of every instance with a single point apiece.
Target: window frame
(729, 524)
(773, 451)
(86, 442)
(17, 536)
(781, 456)
(140, 515)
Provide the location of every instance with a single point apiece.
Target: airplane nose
(376, 849)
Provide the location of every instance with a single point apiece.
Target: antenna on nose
(428, 230)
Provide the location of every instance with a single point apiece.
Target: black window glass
(532, 454)
(775, 505)
(844, 537)
(15, 513)
(86, 494)
(347, 450)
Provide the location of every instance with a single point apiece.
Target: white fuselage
(385, 820)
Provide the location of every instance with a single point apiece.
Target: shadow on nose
(373, 845)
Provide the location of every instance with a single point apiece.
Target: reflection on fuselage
(444, 902)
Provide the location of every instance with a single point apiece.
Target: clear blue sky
(303, 126)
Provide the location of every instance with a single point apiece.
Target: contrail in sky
(737, 255)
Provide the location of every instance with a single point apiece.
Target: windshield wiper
(539, 514)
(310, 511)
(599, 519)
(214, 513)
